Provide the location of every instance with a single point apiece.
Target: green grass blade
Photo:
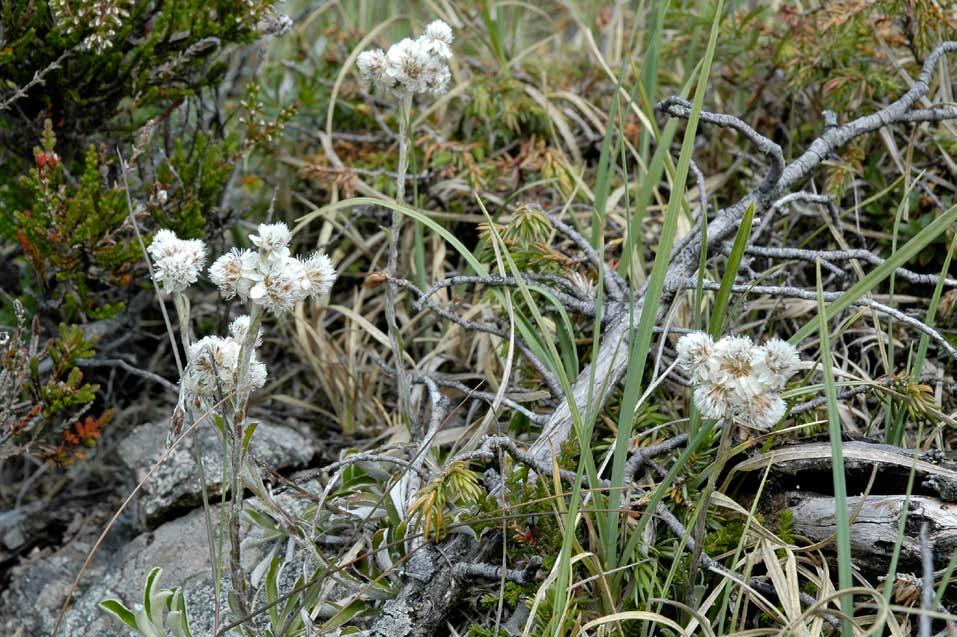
(719, 312)
(845, 577)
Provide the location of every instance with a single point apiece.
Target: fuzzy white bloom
(437, 40)
(714, 400)
(227, 271)
(273, 238)
(694, 350)
(763, 411)
(271, 277)
(372, 66)
(176, 262)
(734, 378)
(439, 31)
(239, 328)
(321, 274)
(214, 366)
(410, 66)
(284, 283)
(776, 362)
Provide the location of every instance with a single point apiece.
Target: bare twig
(494, 571)
(122, 364)
(827, 256)
(548, 377)
(678, 107)
(38, 79)
(572, 303)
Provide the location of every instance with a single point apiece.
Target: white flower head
(437, 40)
(213, 369)
(730, 359)
(763, 411)
(227, 271)
(372, 66)
(283, 284)
(440, 31)
(272, 238)
(714, 400)
(239, 328)
(775, 363)
(411, 66)
(736, 379)
(437, 77)
(694, 350)
(176, 262)
(408, 64)
(320, 273)
(213, 362)
(257, 373)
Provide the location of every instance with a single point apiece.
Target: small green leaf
(151, 580)
(178, 618)
(248, 436)
(116, 608)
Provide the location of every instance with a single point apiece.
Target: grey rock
(119, 569)
(175, 485)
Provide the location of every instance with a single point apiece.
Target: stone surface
(175, 486)
(180, 547)
(38, 587)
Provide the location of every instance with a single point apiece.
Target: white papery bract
(410, 66)
(439, 31)
(763, 411)
(176, 262)
(270, 277)
(734, 378)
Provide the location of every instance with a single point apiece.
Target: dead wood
(875, 526)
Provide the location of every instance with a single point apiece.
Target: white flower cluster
(104, 17)
(411, 66)
(213, 367)
(176, 262)
(270, 277)
(737, 379)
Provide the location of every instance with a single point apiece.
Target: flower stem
(181, 303)
(237, 427)
(402, 380)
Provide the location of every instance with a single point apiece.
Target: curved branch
(678, 107)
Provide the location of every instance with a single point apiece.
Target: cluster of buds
(411, 66)
(177, 262)
(270, 277)
(104, 17)
(214, 362)
(734, 378)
